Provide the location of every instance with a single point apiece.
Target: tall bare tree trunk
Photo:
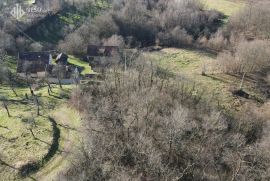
(13, 90)
(32, 133)
(29, 86)
(6, 108)
(38, 106)
(242, 81)
(58, 77)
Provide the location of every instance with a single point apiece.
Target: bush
(73, 44)
(7, 42)
(268, 78)
(114, 40)
(247, 57)
(177, 37)
(36, 47)
(251, 22)
(3, 69)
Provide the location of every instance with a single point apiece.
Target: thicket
(246, 57)
(145, 23)
(243, 43)
(146, 124)
(250, 23)
(3, 69)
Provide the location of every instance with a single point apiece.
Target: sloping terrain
(54, 28)
(191, 63)
(228, 7)
(50, 138)
(30, 143)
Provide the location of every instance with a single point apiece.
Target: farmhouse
(101, 56)
(33, 62)
(100, 51)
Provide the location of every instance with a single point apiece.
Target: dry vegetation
(149, 125)
(247, 57)
(143, 122)
(243, 43)
(144, 23)
(249, 24)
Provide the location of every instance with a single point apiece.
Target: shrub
(268, 78)
(247, 57)
(36, 47)
(114, 40)
(177, 37)
(217, 42)
(252, 21)
(73, 44)
(3, 69)
(7, 42)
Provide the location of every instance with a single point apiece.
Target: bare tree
(3, 68)
(4, 101)
(152, 126)
(30, 124)
(37, 103)
(47, 81)
(247, 57)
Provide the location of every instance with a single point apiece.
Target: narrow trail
(68, 122)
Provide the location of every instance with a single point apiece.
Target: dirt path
(68, 121)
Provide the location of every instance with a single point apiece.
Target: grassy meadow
(228, 7)
(27, 138)
(191, 63)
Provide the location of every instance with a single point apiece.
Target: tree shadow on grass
(215, 78)
(33, 167)
(2, 162)
(67, 127)
(4, 127)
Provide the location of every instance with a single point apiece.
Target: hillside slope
(228, 7)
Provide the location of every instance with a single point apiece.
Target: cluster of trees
(243, 43)
(250, 23)
(247, 57)
(144, 23)
(14, 35)
(145, 124)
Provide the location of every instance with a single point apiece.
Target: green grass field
(76, 61)
(228, 7)
(53, 131)
(190, 63)
(51, 28)
(18, 146)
